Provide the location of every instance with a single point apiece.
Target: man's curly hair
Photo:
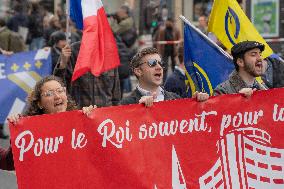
(35, 96)
(136, 60)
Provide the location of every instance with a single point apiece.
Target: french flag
(98, 52)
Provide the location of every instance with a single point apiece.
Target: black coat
(135, 96)
(176, 83)
(6, 159)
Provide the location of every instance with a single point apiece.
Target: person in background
(148, 68)
(122, 24)
(6, 159)
(125, 55)
(88, 89)
(57, 42)
(123, 27)
(175, 82)
(248, 65)
(35, 37)
(9, 40)
(76, 35)
(273, 75)
(53, 26)
(60, 13)
(19, 19)
(202, 24)
(47, 16)
(167, 32)
(164, 15)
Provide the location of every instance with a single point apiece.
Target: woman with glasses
(48, 97)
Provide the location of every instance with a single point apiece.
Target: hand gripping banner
(229, 142)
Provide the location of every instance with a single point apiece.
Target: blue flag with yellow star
(18, 75)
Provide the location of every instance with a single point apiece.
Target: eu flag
(206, 65)
(18, 75)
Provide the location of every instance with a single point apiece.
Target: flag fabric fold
(98, 52)
(206, 65)
(231, 25)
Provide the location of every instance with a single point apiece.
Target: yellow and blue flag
(231, 25)
(18, 75)
(206, 65)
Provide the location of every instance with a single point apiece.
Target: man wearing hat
(248, 65)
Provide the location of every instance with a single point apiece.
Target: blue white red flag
(98, 52)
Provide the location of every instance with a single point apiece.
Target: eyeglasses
(51, 93)
(153, 62)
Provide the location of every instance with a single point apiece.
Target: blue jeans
(37, 43)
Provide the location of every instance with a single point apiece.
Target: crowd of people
(50, 95)
(56, 93)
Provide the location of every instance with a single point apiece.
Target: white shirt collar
(160, 93)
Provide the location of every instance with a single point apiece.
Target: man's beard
(250, 69)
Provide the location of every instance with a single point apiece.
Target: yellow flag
(230, 25)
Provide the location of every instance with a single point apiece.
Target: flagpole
(68, 29)
(205, 37)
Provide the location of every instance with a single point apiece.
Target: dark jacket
(6, 159)
(88, 89)
(19, 19)
(278, 73)
(55, 55)
(125, 55)
(135, 96)
(176, 83)
(274, 76)
(161, 36)
(11, 41)
(35, 25)
(234, 84)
